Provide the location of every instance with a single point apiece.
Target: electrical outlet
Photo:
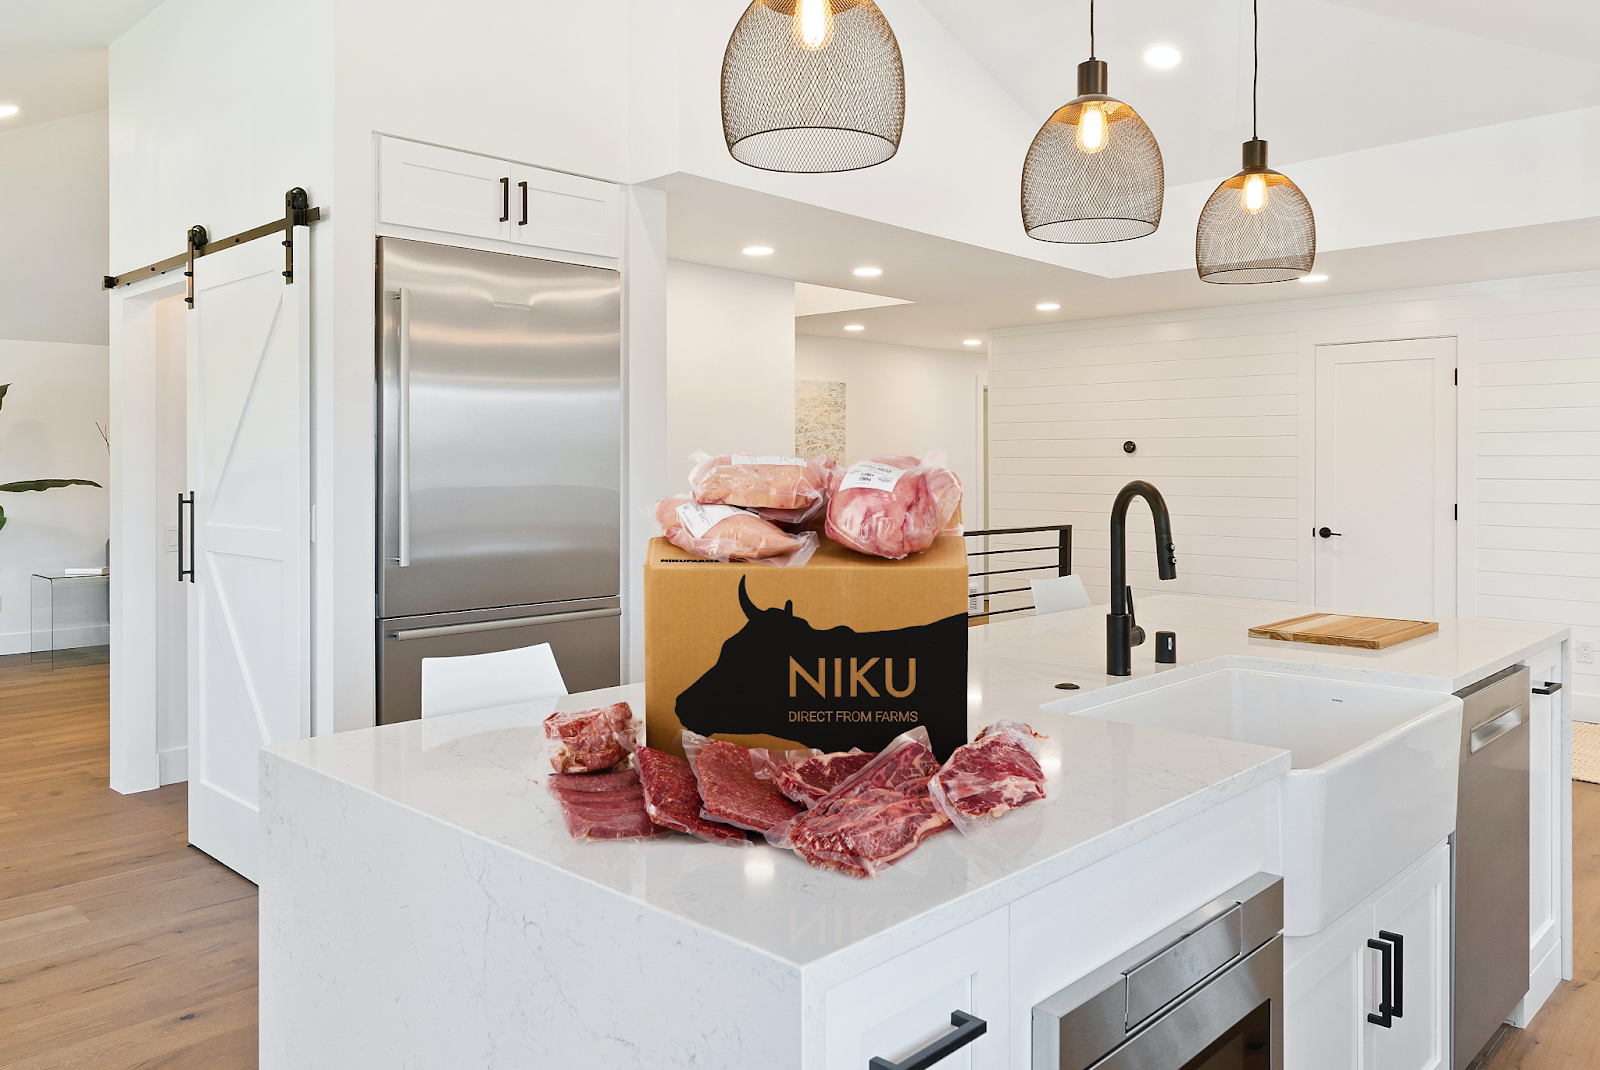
(1584, 652)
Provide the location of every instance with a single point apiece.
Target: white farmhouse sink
(1373, 777)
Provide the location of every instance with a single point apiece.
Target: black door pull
(1385, 1015)
(1328, 533)
(969, 1027)
(1550, 687)
(523, 186)
(183, 501)
(1399, 943)
(505, 199)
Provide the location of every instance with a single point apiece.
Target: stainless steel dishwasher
(1490, 960)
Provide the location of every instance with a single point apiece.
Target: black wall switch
(1167, 648)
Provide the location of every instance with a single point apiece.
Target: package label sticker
(699, 519)
(871, 475)
(751, 458)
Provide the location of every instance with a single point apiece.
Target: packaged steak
(784, 490)
(672, 798)
(730, 791)
(724, 533)
(805, 776)
(893, 506)
(900, 771)
(994, 774)
(604, 806)
(590, 741)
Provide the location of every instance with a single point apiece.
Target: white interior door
(249, 468)
(1386, 478)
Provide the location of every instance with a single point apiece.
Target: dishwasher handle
(969, 1027)
(1496, 726)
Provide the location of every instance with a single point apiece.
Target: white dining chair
(1057, 594)
(479, 681)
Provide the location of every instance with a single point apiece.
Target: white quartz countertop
(1110, 785)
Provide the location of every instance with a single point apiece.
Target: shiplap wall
(1220, 404)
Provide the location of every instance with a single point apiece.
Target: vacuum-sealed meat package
(893, 506)
(805, 776)
(604, 806)
(590, 741)
(784, 490)
(730, 791)
(991, 776)
(724, 533)
(672, 798)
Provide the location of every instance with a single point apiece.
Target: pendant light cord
(1091, 29)
(1255, 47)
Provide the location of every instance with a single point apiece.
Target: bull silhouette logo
(833, 689)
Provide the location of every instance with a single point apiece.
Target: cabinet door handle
(1550, 687)
(1385, 1015)
(969, 1027)
(505, 199)
(186, 573)
(1399, 943)
(523, 186)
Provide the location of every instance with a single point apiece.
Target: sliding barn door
(249, 469)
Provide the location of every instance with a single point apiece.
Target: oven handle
(969, 1027)
(508, 622)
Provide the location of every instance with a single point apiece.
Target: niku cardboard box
(846, 651)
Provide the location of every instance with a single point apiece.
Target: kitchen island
(422, 905)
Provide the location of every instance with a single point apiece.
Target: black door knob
(1326, 533)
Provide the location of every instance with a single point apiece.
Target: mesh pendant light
(812, 86)
(1257, 226)
(1093, 172)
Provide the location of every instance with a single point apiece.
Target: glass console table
(71, 619)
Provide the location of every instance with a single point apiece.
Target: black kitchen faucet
(1122, 634)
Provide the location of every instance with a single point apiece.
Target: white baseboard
(173, 765)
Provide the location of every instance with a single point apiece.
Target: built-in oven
(1206, 993)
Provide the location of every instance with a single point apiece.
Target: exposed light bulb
(813, 23)
(1092, 127)
(1254, 197)
(8, 110)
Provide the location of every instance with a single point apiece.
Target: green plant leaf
(2, 518)
(3, 388)
(45, 484)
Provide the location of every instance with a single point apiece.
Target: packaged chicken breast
(784, 490)
(724, 533)
(893, 506)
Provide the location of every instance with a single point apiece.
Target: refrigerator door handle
(405, 428)
(497, 625)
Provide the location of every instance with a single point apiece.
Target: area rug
(1586, 752)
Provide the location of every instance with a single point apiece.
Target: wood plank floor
(120, 945)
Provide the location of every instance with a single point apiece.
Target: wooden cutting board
(1336, 629)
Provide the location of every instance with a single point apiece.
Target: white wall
(904, 400)
(53, 178)
(730, 365)
(58, 391)
(1220, 404)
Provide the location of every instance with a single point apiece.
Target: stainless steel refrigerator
(499, 464)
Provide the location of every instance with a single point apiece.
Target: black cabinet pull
(186, 500)
(969, 1027)
(523, 186)
(1399, 943)
(1550, 687)
(1328, 533)
(1385, 1015)
(505, 199)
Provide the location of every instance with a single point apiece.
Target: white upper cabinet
(558, 211)
(439, 189)
(453, 192)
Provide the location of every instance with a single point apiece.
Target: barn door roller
(297, 212)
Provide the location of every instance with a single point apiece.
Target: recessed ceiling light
(1162, 56)
(868, 272)
(1047, 306)
(854, 327)
(8, 110)
(757, 250)
(973, 342)
(1313, 278)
